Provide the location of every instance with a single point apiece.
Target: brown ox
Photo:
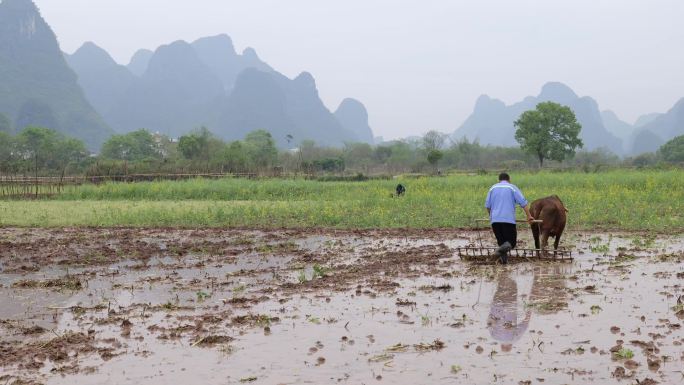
(552, 212)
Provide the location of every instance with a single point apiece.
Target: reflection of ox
(552, 213)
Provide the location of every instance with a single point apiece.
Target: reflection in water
(503, 316)
(506, 324)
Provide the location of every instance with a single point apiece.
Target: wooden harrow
(486, 255)
(483, 254)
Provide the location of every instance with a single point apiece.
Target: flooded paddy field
(162, 306)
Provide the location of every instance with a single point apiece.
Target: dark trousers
(505, 232)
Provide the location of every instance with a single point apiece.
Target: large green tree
(45, 149)
(200, 144)
(134, 146)
(432, 143)
(68, 151)
(550, 131)
(434, 156)
(261, 149)
(36, 146)
(196, 144)
(234, 157)
(673, 151)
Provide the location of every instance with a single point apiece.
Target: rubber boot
(502, 252)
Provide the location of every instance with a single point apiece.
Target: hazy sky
(418, 65)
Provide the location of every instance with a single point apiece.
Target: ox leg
(535, 234)
(558, 236)
(544, 241)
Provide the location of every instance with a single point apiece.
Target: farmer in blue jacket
(501, 201)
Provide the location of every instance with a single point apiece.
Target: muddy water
(355, 308)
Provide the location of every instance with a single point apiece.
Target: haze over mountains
(492, 122)
(181, 86)
(649, 131)
(173, 90)
(36, 85)
(659, 128)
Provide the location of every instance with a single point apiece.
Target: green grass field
(623, 199)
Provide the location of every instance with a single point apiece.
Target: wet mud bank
(154, 306)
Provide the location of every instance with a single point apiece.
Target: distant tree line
(36, 151)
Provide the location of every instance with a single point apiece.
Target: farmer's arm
(488, 204)
(530, 218)
(520, 199)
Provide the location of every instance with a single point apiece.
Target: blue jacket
(501, 200)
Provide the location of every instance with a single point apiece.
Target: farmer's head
(504, 176)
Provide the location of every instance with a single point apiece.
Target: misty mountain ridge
(103, 81)
(37, 87)
(219, 54)
(647, 118)
(139, 62)
(649, 131)
(656, 129)
(181, 86)
(176, 93)
(172, 90)
(492, 120)
(353, 116)
(616, 126)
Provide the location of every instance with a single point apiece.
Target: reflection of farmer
(501, 201)
(547, 287)
(503, 322)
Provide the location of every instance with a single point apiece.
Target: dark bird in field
(401, 190)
